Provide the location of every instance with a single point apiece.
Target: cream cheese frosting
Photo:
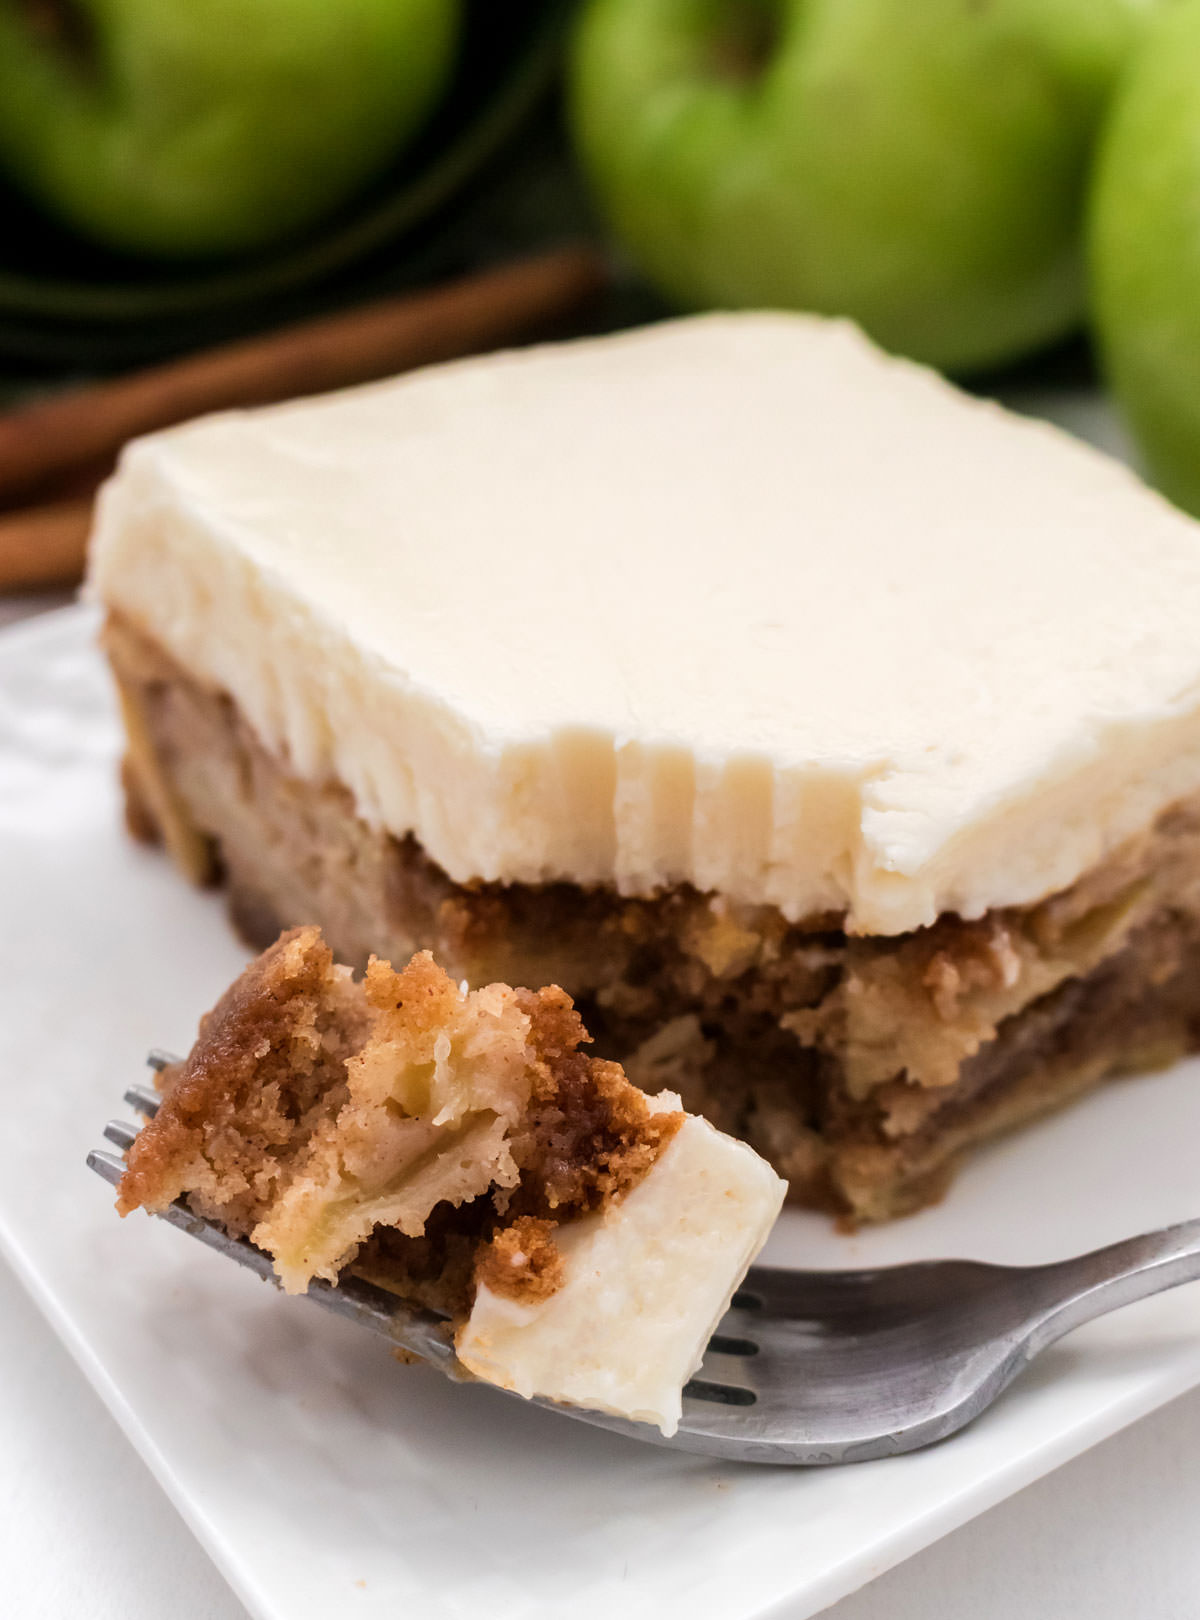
(735, 601)
(647, 1281)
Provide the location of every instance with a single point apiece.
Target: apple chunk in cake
(459, 1149)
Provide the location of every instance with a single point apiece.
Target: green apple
(199, 127)
(919, 165)
(1144, 245)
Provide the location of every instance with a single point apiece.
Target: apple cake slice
(459, 1149)
(833, 737)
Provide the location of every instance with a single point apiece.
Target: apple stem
(746, 40)
(65, 27)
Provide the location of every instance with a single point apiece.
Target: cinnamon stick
(44, 546)
(46, 442)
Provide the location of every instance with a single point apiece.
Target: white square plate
(325, 1479)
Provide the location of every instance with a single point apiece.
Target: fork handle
(1093, 1284)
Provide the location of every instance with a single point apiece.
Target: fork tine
(722, 1369)
(106, 1165)
(420, 1331)
(120, 1133)
(143, 1098)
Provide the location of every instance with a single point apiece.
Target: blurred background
(1008, 190)
(481, 173)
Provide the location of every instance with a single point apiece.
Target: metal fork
(810, 1367)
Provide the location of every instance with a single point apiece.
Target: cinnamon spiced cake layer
(834, 737)
(860, 1066)
(459, 1149)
